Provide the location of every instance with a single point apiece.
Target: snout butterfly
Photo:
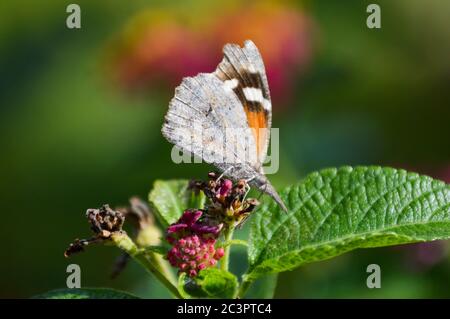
(224, 117)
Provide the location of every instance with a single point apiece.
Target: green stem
(224, 263)
(244, 287)
(162, 266)
(125, 243)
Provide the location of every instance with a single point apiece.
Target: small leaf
(196, 200)
(337, 210)
(86, 293)
(210, 283)
(170, 198)
(183, 281)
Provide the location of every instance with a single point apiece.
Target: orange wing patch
(257, 121)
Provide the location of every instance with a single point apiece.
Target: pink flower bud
(192, 254)
(219, 253)
(225, 188)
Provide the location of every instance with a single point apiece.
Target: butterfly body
(224, 117)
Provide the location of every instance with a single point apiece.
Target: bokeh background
(81, 112)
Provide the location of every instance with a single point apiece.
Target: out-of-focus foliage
(87, 293)
(72, 136)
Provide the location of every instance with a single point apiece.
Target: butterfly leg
(247, 186)
(245, 195)
(224, 172)
(250, 179)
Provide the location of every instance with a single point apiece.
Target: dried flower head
(104, 220)
(228, 202)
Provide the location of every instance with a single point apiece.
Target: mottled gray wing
(205, 118)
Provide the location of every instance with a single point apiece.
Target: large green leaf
(210, 283)
(170, 198)
(86, 293)
(337, 210)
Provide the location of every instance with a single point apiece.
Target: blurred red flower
(159, 48)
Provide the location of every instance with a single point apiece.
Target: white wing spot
(229, 85)
(255, 95)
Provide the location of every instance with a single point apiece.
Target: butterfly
(224, 117)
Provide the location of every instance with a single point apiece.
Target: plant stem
(244, 287)
(224, 263)
(125, 243)
(161, 264)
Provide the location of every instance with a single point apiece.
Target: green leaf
(86, 293)
(196, 200)
(183, 281)
(170, 198)
(210, 283)
(337, 210)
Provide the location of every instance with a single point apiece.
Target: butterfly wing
(205, 118)
(242, 69)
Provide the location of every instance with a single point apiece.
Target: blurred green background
(81, 112)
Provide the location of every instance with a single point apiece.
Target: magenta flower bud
(190, 217)
(219, 253)
(205, 229)
(225, 188)
(175, 228)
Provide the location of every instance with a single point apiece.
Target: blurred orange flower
(160, 47)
